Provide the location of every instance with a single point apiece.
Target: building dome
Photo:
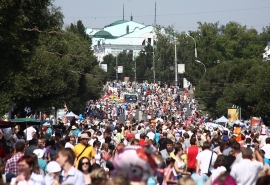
(117, 22)
(103, 34)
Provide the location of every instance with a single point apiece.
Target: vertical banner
(181, 68)
(233, 114)
(185, 83)
(255, 121)
(120, 69)
(104, 67)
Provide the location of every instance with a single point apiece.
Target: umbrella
(71, 114)
(6, 124)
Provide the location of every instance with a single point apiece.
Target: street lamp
(135, 65)
(202, 64)
(195, 44)
(116, 63)
(154, 70)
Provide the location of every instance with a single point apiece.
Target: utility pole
(154, 70)
(175, 62)
(155, 14)
(116, 68)
(135, 70)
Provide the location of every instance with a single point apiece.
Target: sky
(182, 14)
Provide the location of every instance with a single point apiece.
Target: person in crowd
(40, 155)
(68, 143)
(53, 172)
(186, 181)
(2, 171)
(99, 177)
(168, 172)
(247, 170)
(192, 153)
(32, 146)
(66, 158)
(165, 153)
(12, 163)
(179, 165)
(26, 168)
(52, 150)
(98, 153)
(205, 159)
(266, 148)
(85, 168)
(30, 132)
(219, 167)
(83, 149)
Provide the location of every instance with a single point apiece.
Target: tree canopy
(43, 66)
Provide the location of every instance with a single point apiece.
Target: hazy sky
(183, 14)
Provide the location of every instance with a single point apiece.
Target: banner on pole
(120, 69)
(233, 114)
(181, 68)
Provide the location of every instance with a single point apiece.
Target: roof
(103, 34)
(117, 22)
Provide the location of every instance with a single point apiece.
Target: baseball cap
(53, 167)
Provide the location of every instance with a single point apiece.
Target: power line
(176, 14)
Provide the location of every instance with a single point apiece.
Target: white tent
(222, 119)
(239, 122)
(71, 114)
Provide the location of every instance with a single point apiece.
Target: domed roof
(117, 22)
(102, 34)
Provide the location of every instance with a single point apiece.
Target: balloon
(138, 163)
(7, 133)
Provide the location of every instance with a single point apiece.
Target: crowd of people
(174, 145)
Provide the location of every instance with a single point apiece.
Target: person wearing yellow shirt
(84, 150)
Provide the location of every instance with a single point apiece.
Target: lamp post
(175, 62)
(135, 66)
(154, 70)
(195, 44)
(116, 64)
(202, 64)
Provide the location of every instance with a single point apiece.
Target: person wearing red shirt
(142, 139)
(192, 153)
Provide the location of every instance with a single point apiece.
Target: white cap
(53, 167)
(39, 153)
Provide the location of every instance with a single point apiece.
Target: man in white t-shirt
(247, 170)
(151, 134)
(203, 159)
(29, 131)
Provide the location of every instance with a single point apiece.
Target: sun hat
(84, 136)
(53, 167)
(73, 127)
(39, 152)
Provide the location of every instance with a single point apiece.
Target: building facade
(266, 55)
(121, 36)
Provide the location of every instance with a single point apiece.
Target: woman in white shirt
(179, 165)
(26, 175)
(98, 154)
(219, 167)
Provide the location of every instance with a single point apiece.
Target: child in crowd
(168, 174)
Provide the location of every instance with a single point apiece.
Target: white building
(121, 36)
(266, 55)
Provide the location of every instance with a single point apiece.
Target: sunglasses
(87, 163)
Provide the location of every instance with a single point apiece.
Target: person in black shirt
(162, 142)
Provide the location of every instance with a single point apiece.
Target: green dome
(103, 34)
(117, 22)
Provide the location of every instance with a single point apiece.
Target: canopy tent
(222, 119)
(71, 114)
(6, 124)
(27, 121)
(239, 122)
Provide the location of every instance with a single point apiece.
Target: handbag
(209, 173)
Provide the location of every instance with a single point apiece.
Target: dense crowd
(176, 144)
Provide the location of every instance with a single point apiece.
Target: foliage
(41, 65)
